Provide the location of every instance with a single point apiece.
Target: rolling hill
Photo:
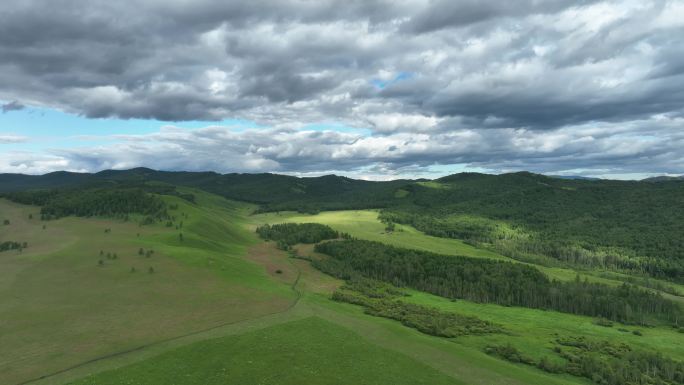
(149, 277)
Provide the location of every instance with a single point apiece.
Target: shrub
(603, 322)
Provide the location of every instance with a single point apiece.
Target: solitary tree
(150, 270)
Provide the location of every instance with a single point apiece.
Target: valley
(199, 295)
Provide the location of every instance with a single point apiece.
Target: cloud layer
(606, 149)
(543, 85)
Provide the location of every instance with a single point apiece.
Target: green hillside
(134, 277)
(623, 226)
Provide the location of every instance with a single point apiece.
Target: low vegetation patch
(601, 361)
(510, 353)
(12, 245)
(382, 300)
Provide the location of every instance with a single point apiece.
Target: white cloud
(11, 138)
(638, 148)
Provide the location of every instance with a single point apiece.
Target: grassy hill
(64, 302)
(79, 303)
(621, 225)
(68, 316)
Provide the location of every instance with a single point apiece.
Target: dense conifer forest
(288, 234)
(104, 199)
(630, 226)
(92, 202)
(487, 281)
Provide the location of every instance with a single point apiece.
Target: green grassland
(364, 224)
(310, 350)
(59, 307)
(532, 330)
(224, 307)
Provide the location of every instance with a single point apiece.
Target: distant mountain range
(267, 187)
(574, 177)
(664, 178)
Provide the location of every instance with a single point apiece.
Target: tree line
(488, 281)
(288, 234)
(522, 243)
(107, 202)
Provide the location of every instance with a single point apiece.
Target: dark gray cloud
(540, 64)
(440, 14)
(12, 106)
(435, 81)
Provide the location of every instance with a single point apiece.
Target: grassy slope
(309, 351)
(74, 311)
(364, 224)
(531, 330)
(59, 308)
(323, 348)
(214, 246)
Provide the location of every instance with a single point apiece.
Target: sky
(364, 88)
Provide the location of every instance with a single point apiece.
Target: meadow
(62, 302)
(223, 306)
(364, 224)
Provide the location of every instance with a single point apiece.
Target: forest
(602, 226)
(627, 226)
(114, 202)
(631, 227)
(488, 281)
(288, 234)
